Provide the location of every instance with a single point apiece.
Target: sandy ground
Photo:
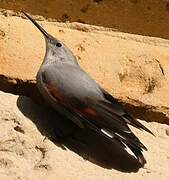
(25, 153)
(133, 68)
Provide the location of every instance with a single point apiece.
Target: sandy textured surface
(133, 68)
(146, 17)
(26, 154)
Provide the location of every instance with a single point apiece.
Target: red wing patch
(55, 92)
(89, 111)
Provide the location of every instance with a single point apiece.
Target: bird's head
(55, 49)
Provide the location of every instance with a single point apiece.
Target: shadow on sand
(86, 143)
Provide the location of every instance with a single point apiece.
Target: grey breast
(72, 81)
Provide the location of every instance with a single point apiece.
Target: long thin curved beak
(37, 25)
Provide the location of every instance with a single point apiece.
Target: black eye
(58, 44)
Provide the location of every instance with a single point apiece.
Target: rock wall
(146, 17)
(133, 68)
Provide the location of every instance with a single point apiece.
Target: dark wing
(119, 110)
(105, 116)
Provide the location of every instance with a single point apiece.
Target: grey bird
(76, 96)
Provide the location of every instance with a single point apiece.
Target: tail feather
(134, 147)
(135, 123)
(132, 139)
(138, 154)
(113, 104)
(116, 125)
